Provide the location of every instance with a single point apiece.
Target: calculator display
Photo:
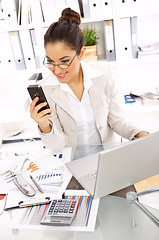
(56, 219)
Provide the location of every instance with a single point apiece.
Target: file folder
(124, 39)
(59, 6)
(109, 40)
(36, 12)
(73, 4)
(133, 22)
(106, 9)
(35, 48)
(122, 8)
(17, 50)
(27, 47)
(6, 55)
(25, 16)
(10, 11)
(86, 8)
(95, 9)
(49, 11)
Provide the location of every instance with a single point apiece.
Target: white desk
(113, 222)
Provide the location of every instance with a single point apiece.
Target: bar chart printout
(33, 215)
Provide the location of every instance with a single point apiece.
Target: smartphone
(37, 91)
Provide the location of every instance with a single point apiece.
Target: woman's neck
(77, 85)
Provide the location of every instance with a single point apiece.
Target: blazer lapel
(96, 93)
(62, 100)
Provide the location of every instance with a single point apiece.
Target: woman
(84, 102)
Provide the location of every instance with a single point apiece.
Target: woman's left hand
(141, 134)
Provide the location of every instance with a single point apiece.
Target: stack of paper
(46, 168)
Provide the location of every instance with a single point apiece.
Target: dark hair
(66, 30)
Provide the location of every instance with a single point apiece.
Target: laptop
(108, 171)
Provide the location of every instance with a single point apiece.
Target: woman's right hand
(42, 118)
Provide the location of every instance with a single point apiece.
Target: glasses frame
(58, 65)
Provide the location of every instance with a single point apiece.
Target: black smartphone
(37, 91)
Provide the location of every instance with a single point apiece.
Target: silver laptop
(111, 170)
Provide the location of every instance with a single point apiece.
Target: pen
(36, 184)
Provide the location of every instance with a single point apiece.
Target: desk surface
(113, 222)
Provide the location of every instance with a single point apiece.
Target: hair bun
(69, 14)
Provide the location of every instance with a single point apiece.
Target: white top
(87, 133)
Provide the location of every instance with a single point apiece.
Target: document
(85, 219)
(46, 168)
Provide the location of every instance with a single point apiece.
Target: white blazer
(106, 105)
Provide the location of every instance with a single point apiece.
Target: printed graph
(33, 215)
(83, 210)
(6, 176)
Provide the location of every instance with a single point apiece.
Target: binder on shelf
(133, 22)
(36, 12)
(19, 12)
(49, 11)
(124, 39)
(25, 12)
(59, 6)
(35, 48)
(106, 9)
(95, 9)
(86, 8)
(17, 50)
(109, 40)
(122, 8)
(10, 10)
(73, 4)
(27, 47)
(6, 55)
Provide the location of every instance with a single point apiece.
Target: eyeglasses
(60, 65)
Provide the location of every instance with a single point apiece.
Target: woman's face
(60, 53)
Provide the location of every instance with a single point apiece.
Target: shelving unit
(129, 72)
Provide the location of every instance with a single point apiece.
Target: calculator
(60, 212)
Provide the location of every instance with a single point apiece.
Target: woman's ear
(83, 49)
